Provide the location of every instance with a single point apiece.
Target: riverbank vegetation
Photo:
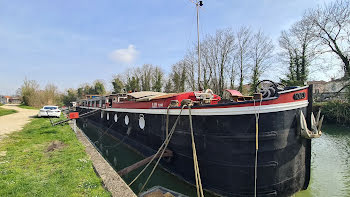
(33, 96)
(4, 112)
(42, 160)
(335, 111)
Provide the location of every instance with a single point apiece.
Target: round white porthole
(142, 122)
(101, 114)
(126, 119)
(107, 116)
(115, 117)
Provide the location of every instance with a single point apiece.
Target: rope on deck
(257, 115)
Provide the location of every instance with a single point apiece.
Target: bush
(33, 96)
(334, 111)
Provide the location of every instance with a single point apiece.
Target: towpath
(15, 122)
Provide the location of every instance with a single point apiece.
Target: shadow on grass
(48, 132)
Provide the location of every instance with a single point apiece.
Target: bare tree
(190, 63)
(222, 55)
(242, 53)
(261, 52)
(298, 49)
(332, 28)
(217, 55)
(28, 91)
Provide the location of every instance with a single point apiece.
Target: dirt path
(15, 122)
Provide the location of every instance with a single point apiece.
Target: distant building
(9, 99)
(319, 86)
(15, 100)
(331, 90)
(90, 96)
(5, 99)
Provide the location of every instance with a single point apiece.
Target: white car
(49, 111)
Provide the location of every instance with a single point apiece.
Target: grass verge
(4, 112)
(27, 107)
(42, 160)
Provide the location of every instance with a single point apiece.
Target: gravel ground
(15, 122)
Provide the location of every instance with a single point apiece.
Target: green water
(330, 165)
(120, 156)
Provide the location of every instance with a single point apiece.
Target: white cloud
(127, 55)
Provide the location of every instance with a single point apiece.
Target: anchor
(316, 124)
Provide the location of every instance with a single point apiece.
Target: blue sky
(68, 43)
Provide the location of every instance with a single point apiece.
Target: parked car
(49, 111)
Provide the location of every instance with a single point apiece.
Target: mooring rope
(257, 116)
(161, 148)
(104, 133)
(90, 113)
(195, 160)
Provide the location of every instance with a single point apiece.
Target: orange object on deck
(74, 115)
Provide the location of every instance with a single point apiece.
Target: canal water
(330, 165)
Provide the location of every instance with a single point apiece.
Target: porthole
(126, 119)
(107, 116)
(115, 117)
(101, 114)
(142, 122)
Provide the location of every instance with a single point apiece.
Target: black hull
(225, 148)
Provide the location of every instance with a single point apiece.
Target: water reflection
(330, 166)
(120, 156)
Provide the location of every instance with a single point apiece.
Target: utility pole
(198, 5)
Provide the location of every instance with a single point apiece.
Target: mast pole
(198, 4)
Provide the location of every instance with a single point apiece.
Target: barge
(228, 137)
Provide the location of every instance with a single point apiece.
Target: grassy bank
(42, 160)
(4, 112)
(27, 107)
(334, 111)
